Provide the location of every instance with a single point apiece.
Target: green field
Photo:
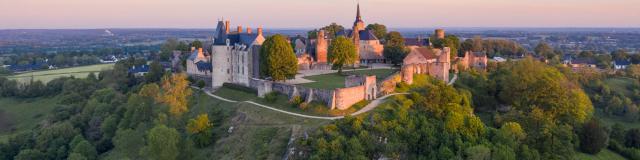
(334, 80)
(620, 85)
(603, 155)
(22, 115)
(48, 75)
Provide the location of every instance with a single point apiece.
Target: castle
(235, 55)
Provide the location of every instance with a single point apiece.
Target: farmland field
(48, 75)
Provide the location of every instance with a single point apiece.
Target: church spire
(358, 17)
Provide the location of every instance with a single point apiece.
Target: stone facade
(199, 65)
(427, 60)
(361, 88)
(235, 55)
(476, 60)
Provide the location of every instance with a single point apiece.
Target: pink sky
(316, 13)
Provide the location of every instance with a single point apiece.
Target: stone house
(475, 60)
(199, 65)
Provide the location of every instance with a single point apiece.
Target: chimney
(259, 30)
(199, 50)
(440, 33)
(249, 30)
(320, 35)
(226, 26)
(239, 29)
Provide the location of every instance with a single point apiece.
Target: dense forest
(516, 110)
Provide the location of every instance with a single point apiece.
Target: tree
(167, 48)
(342, 52)
(543, 49)
(394, 48)
(128, 142)
(594, 137)
(277, 59)
(176, 92)
(379, 30)
(162, 143)
(85, 149)
(151, 91)
(453, 42)
(196, 44)
(632, 138)
(30, 154)
(201, 84)
(200, 129)
(479, 152)
(155, 72)
(332, 30)
(620, 54)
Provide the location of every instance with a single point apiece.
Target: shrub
(271, 97)
(201, 84)
(296, 101)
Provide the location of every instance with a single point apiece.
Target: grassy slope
(48, 75)
(258, 133)
(603, 155)
(24, 114)
(333, 80)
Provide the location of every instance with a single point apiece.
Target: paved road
(367, 108)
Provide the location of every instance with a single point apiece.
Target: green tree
(162, 143)
(128, 142)
(85, 149)
(332, 30)
(620, 54)
(594, 137)
(342, 52)
(155, 72)
(167, 48)
(453, 42)
(479, 152)
(543, 49)
(277, 59)
(196, 44)
(379, 30)
(30, 154)
(394, 48)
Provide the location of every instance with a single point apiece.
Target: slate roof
(622, 62)
(204, 66)
(367, 35)
(583, 61)
(417, 42)
(426, 52)
(139, 69)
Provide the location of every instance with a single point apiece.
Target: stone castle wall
(388, 85)
(346, 97)
(340, 98)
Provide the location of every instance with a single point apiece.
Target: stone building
(475, 60)
(235, 55)
(427, 60)
(199, 65)
(368, 46)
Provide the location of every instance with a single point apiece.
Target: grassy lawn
(17, 115)
(603, 155)
(258, 133)
(620, 85)
(334, 80)
(48, 75)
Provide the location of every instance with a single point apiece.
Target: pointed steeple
(358, 17)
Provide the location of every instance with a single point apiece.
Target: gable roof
(367, 35)
(204, 66)
(622, 62)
